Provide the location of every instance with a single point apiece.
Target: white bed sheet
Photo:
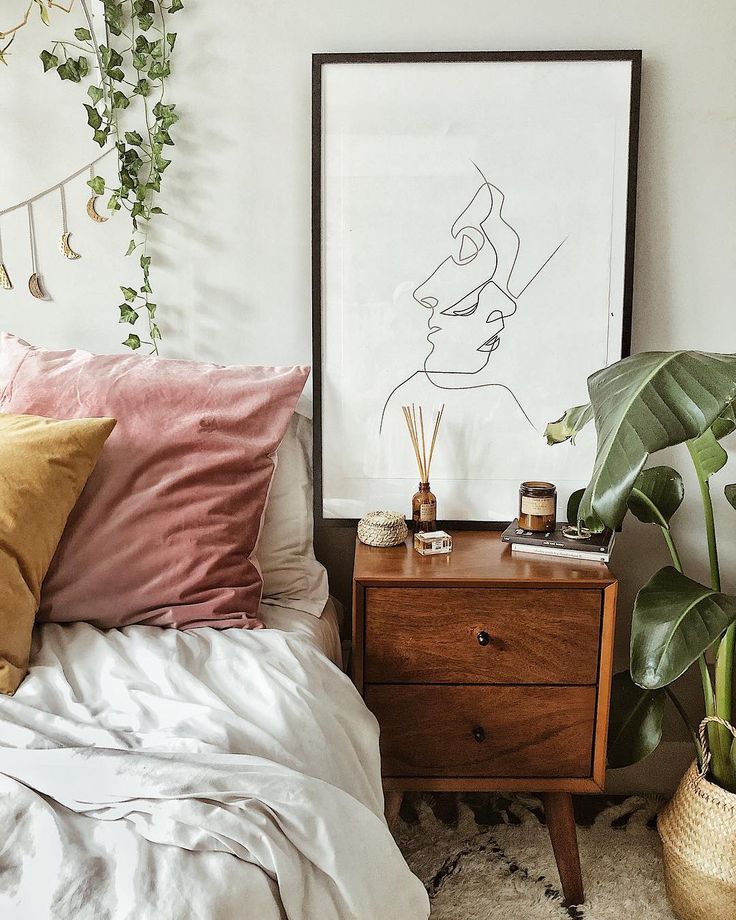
(152, 773)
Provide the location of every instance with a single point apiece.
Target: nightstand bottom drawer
(510, 731)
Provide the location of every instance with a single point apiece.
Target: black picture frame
(632, 56)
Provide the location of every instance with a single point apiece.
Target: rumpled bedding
(150, 773)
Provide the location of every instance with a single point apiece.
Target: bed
(125, 790)
(213, 773)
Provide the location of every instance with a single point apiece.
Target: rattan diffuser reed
(424, 503)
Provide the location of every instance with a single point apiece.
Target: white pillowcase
(292, 577)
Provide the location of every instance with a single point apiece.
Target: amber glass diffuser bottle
(424, 502)
(424, 509)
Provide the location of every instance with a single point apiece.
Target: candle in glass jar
(537, 506)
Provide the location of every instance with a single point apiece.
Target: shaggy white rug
(506, 871)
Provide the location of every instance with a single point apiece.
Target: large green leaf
(675, 620)
(573, 505)
(635, 722)
(708, 455)
(641, 405)
(726, 422)
(567, 427)
(658, 493)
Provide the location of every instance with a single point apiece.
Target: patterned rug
(489, 858)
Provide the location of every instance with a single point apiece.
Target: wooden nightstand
(488, 671)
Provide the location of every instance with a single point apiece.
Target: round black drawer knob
(479, 734)
(483, 637)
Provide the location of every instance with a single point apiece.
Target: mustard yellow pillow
(44, 465)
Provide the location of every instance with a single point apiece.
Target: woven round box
(382, 528)
(698, 831)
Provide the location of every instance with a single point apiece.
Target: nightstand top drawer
(485, 731)
(482, 635)
(478, 558)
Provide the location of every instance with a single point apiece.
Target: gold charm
(34, 286)
(5, 281)
(97, 218)
(66, 249)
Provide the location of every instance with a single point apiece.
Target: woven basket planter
(698, 831)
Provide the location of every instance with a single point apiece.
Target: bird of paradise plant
(642, 405)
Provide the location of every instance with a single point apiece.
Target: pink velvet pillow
(165, 530)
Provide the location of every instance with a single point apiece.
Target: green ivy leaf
(133, 341)
(120, 100)
(100, 137)
(43, 12)
(131, 248)
(157, 210)
(94, 119)
(145, 263)
(69, 70)
(145, 22)
(730, 492)
(133, 137)
(49, 61)
(175, 6)
(142, 87)
(83, 35)
(95, 93)
(127, 314)
(159, 70)
(137, 210)
(114, 203)
(82, 66)
(97, 185)
(151, 307)
(154, 330)
(129, 293)
(139, 61)
(171, 39)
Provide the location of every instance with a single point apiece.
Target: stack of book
(596, 547)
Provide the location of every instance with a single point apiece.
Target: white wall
(233, 273)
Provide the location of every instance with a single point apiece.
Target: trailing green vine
(128, 107)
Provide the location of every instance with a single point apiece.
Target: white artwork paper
(473, 231)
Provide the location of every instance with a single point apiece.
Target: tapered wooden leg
(563, 834)
(391, 806)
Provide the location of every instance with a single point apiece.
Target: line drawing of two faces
(469, 297)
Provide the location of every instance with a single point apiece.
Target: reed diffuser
(424, 503)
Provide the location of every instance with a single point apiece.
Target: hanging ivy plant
(128, 107)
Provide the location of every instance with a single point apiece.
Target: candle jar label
(537, 506)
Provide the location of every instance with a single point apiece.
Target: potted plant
(642, 405)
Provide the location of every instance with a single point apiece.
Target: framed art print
(473, 239)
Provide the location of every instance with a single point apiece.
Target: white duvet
(151, 773)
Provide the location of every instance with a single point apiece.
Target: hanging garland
(34, 282)
(127, 106)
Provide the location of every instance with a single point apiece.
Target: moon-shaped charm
(5, 281)
(66, 249)
(97, 218)
(34, 286)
